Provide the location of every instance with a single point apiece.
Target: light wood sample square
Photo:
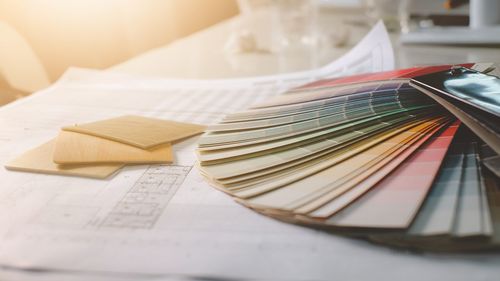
(139, 131)
(76, 148)
(39, 160)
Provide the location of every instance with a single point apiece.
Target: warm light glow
(101, 33)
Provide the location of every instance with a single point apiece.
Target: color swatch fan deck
(408, 158)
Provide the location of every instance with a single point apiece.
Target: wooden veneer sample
(138, 131)
(76, 148)
(39, 160)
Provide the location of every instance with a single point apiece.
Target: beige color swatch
(76, 148)
(287, 197)
(39, 160)
(329, 162)
(138, 131)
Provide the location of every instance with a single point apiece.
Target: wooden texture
(39, 160)
(76, 148)
(138, 131)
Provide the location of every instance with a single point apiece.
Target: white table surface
(202, 55)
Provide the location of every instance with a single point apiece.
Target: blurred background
(42, 38)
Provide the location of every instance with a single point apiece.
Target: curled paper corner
(243, 41)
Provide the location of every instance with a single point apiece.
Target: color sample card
(207, 156)
(267, 160)
(467, 86)
(369, 155)
(482, 128)
(471, 218)
(361, 188)
(492, 186)
(394, 201)
(329, 161)
(287, 196)
(437, 214)
(442, 221)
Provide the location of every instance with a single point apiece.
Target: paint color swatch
(368, 155)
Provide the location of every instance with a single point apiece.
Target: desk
(207, 60)
(202, 56)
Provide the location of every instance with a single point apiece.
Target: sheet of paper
(166, 220)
